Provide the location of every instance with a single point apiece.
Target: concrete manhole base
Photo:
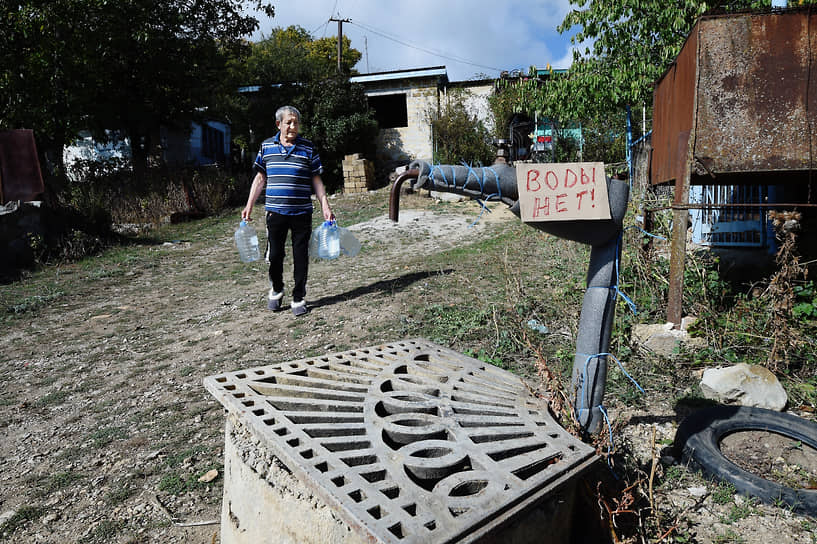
(404, 442)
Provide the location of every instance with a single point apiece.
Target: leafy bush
(335, 116)
(459, 136)
(338, 121)
(116, 195)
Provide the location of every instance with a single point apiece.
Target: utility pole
(340, 39)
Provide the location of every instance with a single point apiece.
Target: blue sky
(468, 37)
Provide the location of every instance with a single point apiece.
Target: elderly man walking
(289, 169)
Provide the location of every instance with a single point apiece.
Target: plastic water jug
(348, 243)
(328, 240)
(246, 240)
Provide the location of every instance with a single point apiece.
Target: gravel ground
(107, 430)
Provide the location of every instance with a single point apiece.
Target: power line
(324, 25)
(383, 34)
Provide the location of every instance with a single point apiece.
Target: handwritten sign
(562, 191)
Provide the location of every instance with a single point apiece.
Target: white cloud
(469, 37)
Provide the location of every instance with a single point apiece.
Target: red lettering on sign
(533, 176)
(593, 198)
(551, 174)
(580, 195)
(560, 203)
(539, 206)
(568, 174)
(586, 179)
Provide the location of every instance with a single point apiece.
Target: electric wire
(384, 34)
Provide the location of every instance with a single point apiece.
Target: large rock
(746, 385)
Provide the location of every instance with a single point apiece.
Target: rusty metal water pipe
(498, 182)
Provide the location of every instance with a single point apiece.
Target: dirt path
(106, 424)
(107, 428)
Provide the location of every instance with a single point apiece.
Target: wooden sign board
(562, 191)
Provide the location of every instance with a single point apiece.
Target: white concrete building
(403, 100)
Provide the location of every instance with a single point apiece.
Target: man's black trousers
(301, 228)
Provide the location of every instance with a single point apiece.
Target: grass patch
(724, 493)
(105, 532)
(175, 483)
(729, 537)
(24, 515)
(33, 303)
(59, 481)
(53, 398)
(739, 511)
(122, 492)
(104, 436)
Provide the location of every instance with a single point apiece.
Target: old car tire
(699, 436)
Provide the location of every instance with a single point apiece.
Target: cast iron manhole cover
(410, 441)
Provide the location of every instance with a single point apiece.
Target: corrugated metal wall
(673, 114)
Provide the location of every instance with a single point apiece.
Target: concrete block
(264, 503)
(663, 339)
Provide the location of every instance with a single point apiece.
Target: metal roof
(436, 71)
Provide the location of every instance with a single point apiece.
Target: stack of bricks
(358, 174)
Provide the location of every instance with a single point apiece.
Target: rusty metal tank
(740, 101)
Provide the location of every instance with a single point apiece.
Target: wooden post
(680, 218)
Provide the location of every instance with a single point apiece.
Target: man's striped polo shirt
(289, 174)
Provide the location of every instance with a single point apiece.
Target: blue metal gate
(727, 218)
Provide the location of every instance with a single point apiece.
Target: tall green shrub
(459, 136)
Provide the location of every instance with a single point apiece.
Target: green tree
(130, 65)
(530, 96)
(289, 67)
(291, 55)
(282, 57)
(604, 138)
(623, 48)
(324, 52)
(459, 136)
(338, 121)
(42, 65)
(631, 44)
(335, 116)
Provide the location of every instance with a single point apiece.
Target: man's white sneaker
(299, 308)
(274, 300)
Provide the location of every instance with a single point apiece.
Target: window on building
(390, 110)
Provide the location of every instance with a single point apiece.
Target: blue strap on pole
(468, 176)
(614, 287)
(646, 233)
(642, 138)
(628, 300)
(611, 445)
(483, 207)
(481, 183)
(630, 147)
(583, 409)
(437, 167)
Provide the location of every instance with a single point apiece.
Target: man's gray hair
(284, 110)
